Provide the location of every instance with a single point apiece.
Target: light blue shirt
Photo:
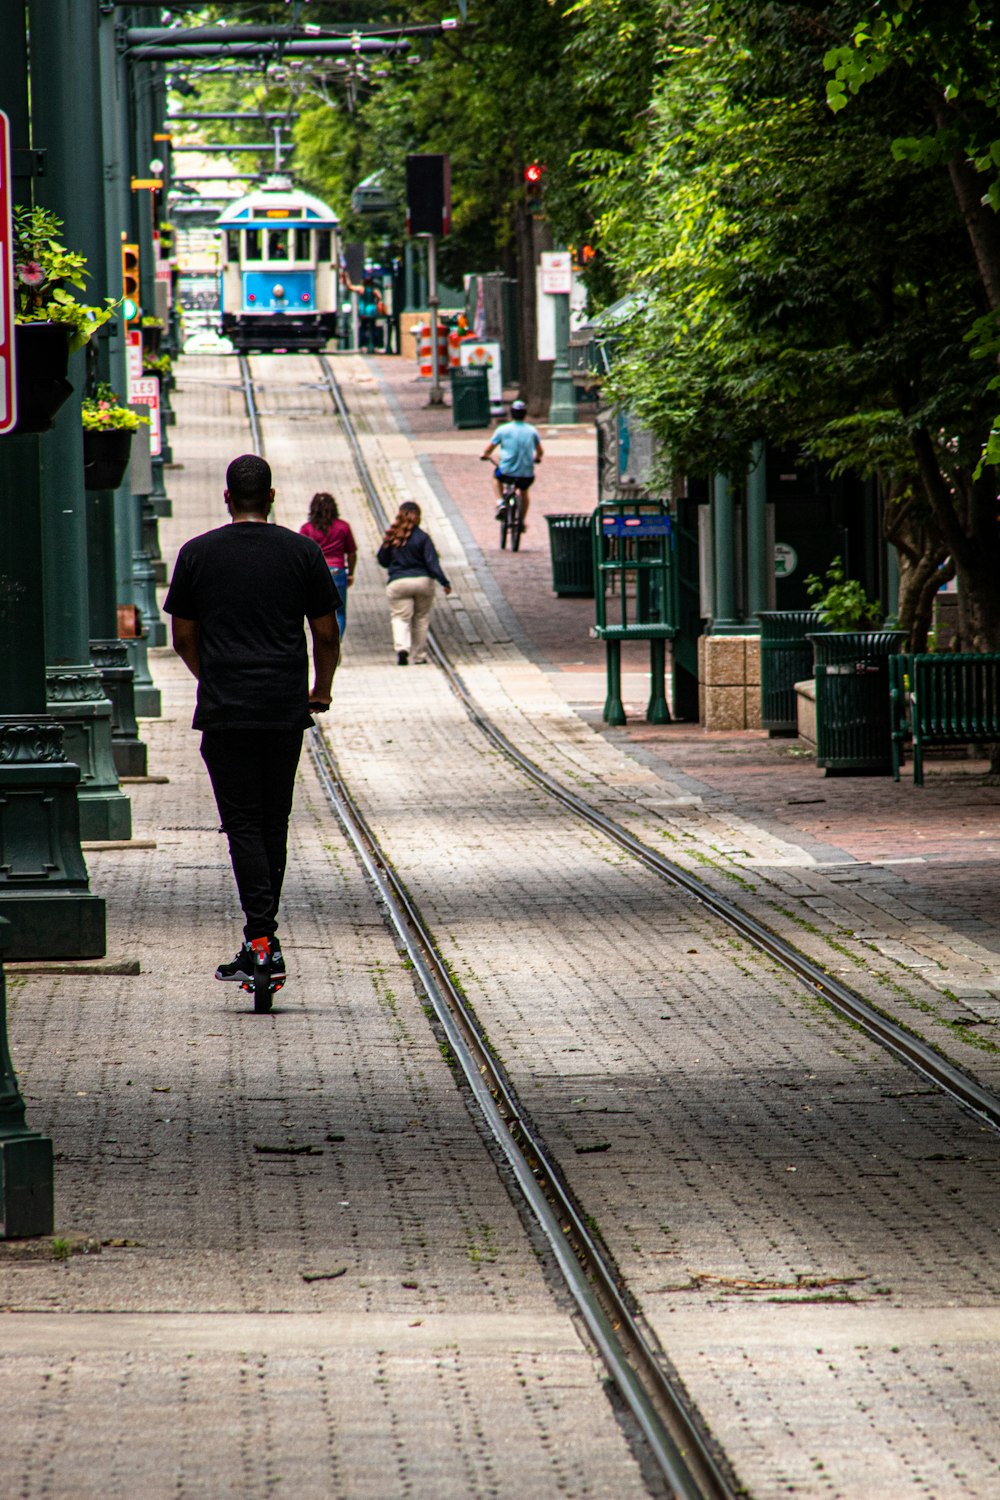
(518, 441)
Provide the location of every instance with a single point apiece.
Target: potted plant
(851, 673)
(50, 322)
(152, 333)
(107, 438)
(162, 366)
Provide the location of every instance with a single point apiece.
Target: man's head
(518, 410)
(248, 486)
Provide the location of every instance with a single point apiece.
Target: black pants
(253, 778)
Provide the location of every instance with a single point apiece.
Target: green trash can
(853, 700)
(470, 396)
(572, 555)
(786, 657)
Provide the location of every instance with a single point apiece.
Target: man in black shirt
(238, 598)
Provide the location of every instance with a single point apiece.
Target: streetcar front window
(323, 245)
(251, 245)
(277, 244)
(303, 249)
(232, 244)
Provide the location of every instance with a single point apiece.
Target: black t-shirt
(249, 587)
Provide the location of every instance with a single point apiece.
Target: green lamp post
(44, 891)
(63, 93)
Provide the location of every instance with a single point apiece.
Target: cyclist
(520, 450)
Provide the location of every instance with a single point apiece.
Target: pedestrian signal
(130, 282)
(534, 172)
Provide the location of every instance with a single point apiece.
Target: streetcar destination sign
(8, 372)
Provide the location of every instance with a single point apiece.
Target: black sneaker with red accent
(240, 968)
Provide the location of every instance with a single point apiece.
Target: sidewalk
(903, 878)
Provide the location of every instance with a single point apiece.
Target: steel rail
(252, 415)
(903, 1044)
(676, 1442)
(680, 1450)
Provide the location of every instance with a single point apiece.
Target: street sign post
(8, 372)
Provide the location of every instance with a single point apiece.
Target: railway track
(672, 1431)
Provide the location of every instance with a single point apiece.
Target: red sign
(8, 373)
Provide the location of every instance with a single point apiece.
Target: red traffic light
(533, 172)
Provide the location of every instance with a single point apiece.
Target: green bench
(940, 699)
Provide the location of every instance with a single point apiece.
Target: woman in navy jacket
(411, 559)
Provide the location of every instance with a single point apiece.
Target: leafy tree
(793, 279)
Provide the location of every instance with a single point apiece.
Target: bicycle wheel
(504, 523)
(515, 524)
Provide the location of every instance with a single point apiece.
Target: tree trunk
(965, 510)
(980, 219)
(924, 564)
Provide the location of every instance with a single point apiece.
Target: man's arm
(539, 450)
(186, 642)
(488, 450)
(326, 654)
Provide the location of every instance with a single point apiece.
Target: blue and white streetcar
(280, 269)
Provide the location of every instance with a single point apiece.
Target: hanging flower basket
(105, 458)
(42, 357)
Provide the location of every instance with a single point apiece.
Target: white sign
(557, 272)
(786, 560)
(146, 393)
(484, 352)
(8, 374)
(133, 357)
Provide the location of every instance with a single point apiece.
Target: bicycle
(509, 516)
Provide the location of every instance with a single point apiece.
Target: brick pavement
(767, 1182)
(799, 1281)
(311, 1280)
(826, 861)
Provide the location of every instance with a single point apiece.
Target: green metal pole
(63, 94)
(141, 76)
(562, 403)
(43, 880)
(724, 621)
(757, 554)
(27, 1205)
(119, 225)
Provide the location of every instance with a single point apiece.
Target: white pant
(410, 603)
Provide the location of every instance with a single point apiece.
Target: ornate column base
(44, 890)
(144, 592)
(145, 695)
(111, 659)
(151, 540)
(75, 698)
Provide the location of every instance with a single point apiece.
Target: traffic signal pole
(433, 304)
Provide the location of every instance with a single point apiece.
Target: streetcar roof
(270, 206)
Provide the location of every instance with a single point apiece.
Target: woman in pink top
(338, 546)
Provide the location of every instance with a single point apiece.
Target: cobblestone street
(297, 1267)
